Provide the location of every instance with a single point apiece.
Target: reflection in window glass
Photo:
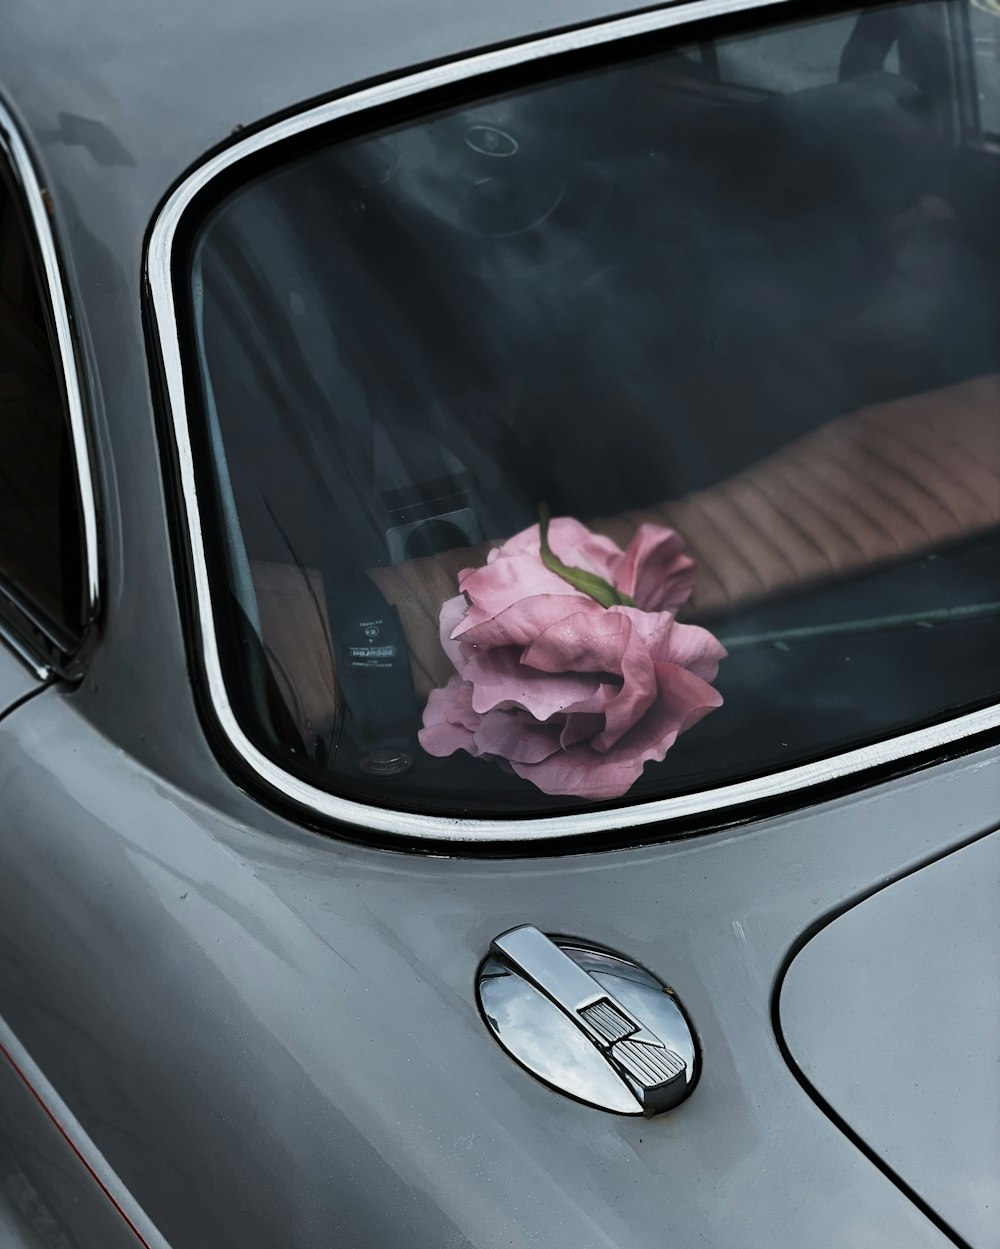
(743, 347)
(984, 21)
(792, 58)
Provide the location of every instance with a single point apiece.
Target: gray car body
(226, 1028)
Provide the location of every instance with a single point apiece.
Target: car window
(792, 58)
(614, 436)
(984, 22)
(41, 556)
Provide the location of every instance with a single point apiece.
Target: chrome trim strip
(20, 158)
(41, 672)
(68, 1124)
(401, 823)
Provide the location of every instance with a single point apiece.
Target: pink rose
(577, 697)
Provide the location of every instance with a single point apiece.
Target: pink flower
(577, 697)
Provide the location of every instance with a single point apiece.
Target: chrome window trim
(40, 671)
(405, 824)
(15, 150)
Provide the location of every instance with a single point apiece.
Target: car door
(47, 608)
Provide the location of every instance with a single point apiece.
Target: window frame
(48, 649)
(166, 296)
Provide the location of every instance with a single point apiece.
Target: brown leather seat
(877, 486)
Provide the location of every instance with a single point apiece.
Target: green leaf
(589, 582)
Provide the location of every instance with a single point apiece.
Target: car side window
(41, 548)
(984, 22)
(791, 58)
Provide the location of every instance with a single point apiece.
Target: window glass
(984, 22)
(40, 543)
(742, 347)
(792, 58)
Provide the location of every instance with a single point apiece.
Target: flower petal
(603, 641)
(449, 721)
(668, 641)
(507, 581)
(588, 773)
(573, 543)
(500, 679)
(522, 622)
(656, 570)
(452, 615)
(580, 726)
(516, 736)
(575, 697)
(592, 639)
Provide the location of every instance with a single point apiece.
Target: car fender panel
(891, 1014)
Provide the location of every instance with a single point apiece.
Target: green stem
(589, 582)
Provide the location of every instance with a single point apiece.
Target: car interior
(686, 288)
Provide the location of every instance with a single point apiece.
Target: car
(499, 702)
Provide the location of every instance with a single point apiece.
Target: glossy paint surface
(891, 1014)
(49, 1197)
(272, 1037)
(16, 680)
